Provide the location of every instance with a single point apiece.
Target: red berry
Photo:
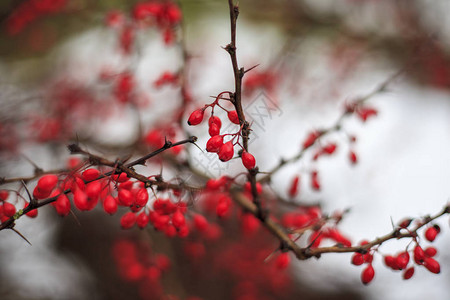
(125, 197)
(196, 117)
(329, 149)
(282, 261)
(357, 259)
(365, 112)
(215, 120)
(402, 260)
(226, 152)
(183, 231)
(233, 116)
(214, 143)
(368, 258)
(110, 205)
(311, 139)
(248, 160)
(367, 274)
(141, 197)
(62, 205)
(390, 261)
(222, 209)
(408, 273)
(178, 219)
(293, 190)
(315, 184)
(128, 220)
(122, 177)
(80, 200)
(90, 174)
(419, 254)
(213, 130)
(353, 158)
(430, 251)
(142, 220)
(9, 209)
(93, 189)
(431, 233)
(432, 265)
(3, 195)
(46, 184)
(32, 213)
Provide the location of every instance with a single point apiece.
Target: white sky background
(404, 153)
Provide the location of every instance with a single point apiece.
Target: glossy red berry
(402, 260)
(214, 143)
(196, 117)
(45, 186)
(432, 265)
(178, 219)
(430, 251)
(248, 160)
(80, 200)
(431, 233)
(226, 152)
(141, 197)
(62, 205)
(367, 274)
(142, 220)
(125, 197)
(213, 130)
(8, 209)
(357, 259)
(32, 213)
(233, 117)
(419, 254)
(408, 273)
(110, 205)
(390, 261)
(215, 120)
(90, 174)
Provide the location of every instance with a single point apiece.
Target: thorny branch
(236, 98)
(119, 168)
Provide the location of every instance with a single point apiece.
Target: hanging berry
(196, 117)
(248, 160)
(233, 116)
(226, 152)
(367, 274)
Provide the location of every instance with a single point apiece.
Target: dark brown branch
(119, 168)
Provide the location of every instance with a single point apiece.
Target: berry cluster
(216, 144)
(402, 260)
